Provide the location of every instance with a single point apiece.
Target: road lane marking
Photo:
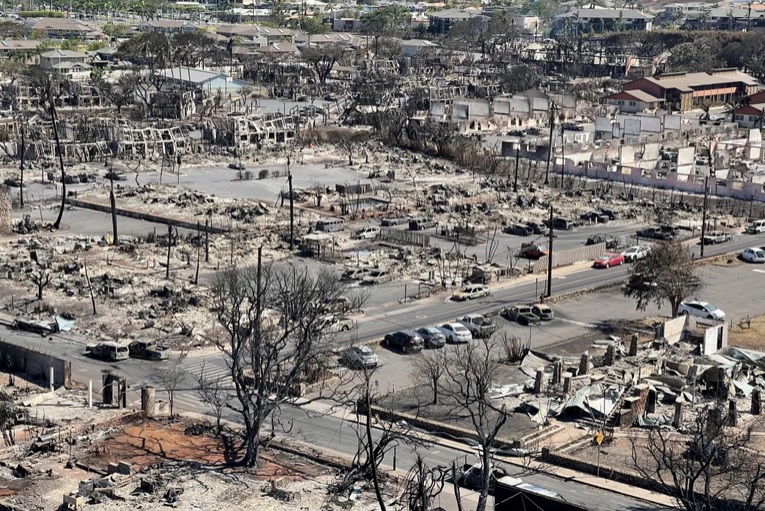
(759, 271)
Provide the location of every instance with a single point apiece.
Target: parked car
(543, 311)
(471, 292)
(522, 314)
(473, 476)
(559, 223)
(608, 260)
(714, 237)
(420, 224)
(236, 166)
(432, 337)
(635, 252)
(538, 228)
(334, 324)
(533, 250)
(610, 213)
(756, 227)
(109, 351)
(367, 233)
(352, 274)
(518, 230)
(360, 356)
(594, 216)
(456, 333)
(479, 326)
(701, 310)
(753, 255)
(377, 277)
(393, 221)
(664, 232)
(147, 349)
(407, 341)
(572, 126)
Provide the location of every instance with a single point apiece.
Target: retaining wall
(35, 363)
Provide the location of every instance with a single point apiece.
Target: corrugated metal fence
(405, 237)
(571, 256)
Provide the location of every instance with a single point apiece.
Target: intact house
(257, 34)
(587, 21)
(24, 50)
(349, 40)
(169, 27)
(686, 91)
(753, 114)
(632, 101)
(440, 22)
(59, 29)
(200, 79)
(735, 18)
(52, 59)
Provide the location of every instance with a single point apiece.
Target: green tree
(323, 59)
(118, 30)
(71, 44)
(666, 275)
(390, 21)
(700, 55)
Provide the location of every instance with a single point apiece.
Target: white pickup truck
(478, 325)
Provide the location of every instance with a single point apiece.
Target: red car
(608, 260)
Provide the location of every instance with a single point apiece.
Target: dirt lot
(751, 336)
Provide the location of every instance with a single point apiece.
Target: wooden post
(169, 245)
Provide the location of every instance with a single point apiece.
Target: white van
(330, 225)
(367, 233)
(756, 227)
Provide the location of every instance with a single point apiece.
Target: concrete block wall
(35, 363)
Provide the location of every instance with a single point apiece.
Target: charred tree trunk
(113, 204)
(23, 154)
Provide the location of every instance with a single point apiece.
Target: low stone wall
(35, 363)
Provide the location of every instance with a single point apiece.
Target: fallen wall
(149, 217)
(35, 363)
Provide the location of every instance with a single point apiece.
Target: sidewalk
(537, 466)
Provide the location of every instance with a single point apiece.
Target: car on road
(756, 227)
(236, 166)
(367, 233)
(456, 333)
(664, 232)
(753, 255)
(407, 341)
(715, 237)
(635, 252)
(110, 351)
(352, 274)
(432, 337)
(538, 228)
(594, 216)
(334, 324)
(608, 260)
(147, 349)
(377, 277)
(522, 314)
(701, 310)
(518, 230)
(473, 476)
(361, 357)
(393, 221)
(543, 311)
(471, 292)
(533, 250)
(480, 327)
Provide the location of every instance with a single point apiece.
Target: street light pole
(704, 214)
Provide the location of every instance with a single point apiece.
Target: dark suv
(408, 341)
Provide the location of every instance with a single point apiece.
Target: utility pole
(550, 149)
(562, 155)
(292, 208)
(704, 214)
(517, 157)
(550, 256)
(23, 151)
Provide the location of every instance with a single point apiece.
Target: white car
(701, 310)
(634, 253)
(456, 333)
(753, 255)
(367, 233)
